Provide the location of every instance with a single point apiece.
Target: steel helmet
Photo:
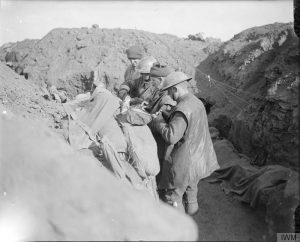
(145, 64)
(173, 79)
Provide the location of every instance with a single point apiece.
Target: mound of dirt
(254, 81)
(66, 58)
(27, 99)
(50, 192)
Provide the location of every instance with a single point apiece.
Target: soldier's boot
(191, 208)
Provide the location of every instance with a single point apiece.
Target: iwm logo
(281, 237)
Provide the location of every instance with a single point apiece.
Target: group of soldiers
(178, 124)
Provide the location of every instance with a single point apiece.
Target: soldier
(160, 102)
(192, 157)
(142, 90)
(134, 55)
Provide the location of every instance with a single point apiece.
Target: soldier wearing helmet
(142, 90)
(192, 156)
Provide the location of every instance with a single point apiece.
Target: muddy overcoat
(193, 157)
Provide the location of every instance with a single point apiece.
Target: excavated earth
(66, 58)
(253, 85)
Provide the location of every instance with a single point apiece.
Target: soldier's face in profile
(157, 81)
(134, 62)
(145, 76)
(172, 92)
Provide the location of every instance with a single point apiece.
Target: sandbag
(142, 149)
(134, 116)
(112, 157)
(90, 116)
(125, 172)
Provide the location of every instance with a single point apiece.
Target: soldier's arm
(173, 131)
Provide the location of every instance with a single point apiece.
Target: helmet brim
(143, 72)
(176, 83)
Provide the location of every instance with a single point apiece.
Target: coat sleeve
(173, 131)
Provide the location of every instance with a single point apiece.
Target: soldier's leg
(158, 176)
(190, 199)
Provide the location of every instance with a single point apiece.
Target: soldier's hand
(144, 104)
(156, 115)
